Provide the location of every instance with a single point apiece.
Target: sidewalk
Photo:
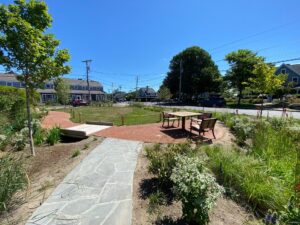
(97, 191)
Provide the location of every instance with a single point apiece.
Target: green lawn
(131, 115)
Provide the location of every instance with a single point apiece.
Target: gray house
(147, 94)
(293, 72)
(78, 88)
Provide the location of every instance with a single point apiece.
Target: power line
(253, 35)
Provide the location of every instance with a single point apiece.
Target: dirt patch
(45, 172)
(224, 213)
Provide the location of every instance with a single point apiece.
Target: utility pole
(112, 92)
(136, 87)
(87, 65)
(180, 78)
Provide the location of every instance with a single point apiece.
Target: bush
(291, 213)
(196, 188)
(162, 159)
(19, 140)
(243, 128)
(53, 136)
(12, 179)
(155, 200)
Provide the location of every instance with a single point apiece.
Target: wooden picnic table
(183, 115)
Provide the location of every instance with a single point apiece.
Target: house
(119, 96)
(78, 88)
(146, 94)
(293, 72)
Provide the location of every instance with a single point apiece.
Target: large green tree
(27, 47)
(242, 63)
(198, 71)
(62, 89)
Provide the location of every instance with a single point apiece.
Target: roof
(295, 67)
(148, 90)
(13, 78)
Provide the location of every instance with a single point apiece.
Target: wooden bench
(204, 125)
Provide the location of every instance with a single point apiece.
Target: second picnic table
(183, 115)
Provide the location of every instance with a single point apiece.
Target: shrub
(53, 136)
(19, 140)
(162, 159)
(291, 213)
(155, 200)
(12, 179)
(196, 188)
(76, 153)
(243, 129)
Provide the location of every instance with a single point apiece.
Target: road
(251, 112)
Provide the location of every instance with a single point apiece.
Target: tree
(265, 81)
(62, 89)
(164, 93)
(26, 47)
(199, 73)
(242, 63)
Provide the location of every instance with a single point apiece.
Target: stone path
(97, 191)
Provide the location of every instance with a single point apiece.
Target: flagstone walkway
(97, 191)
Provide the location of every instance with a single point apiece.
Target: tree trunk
(29, 121)
(261, 106)
(239, 98)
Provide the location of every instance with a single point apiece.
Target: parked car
(79, 102)
(213, 102)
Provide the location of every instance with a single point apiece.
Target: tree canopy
(26, 46)
(164, 93)
(199, 73)
(242, 63)
(62, 89)
(265, 81)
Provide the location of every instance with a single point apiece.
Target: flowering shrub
(162, 159)
(19, 140)
(196, 188)
(242, 128)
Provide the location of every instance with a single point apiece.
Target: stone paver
(97, 191)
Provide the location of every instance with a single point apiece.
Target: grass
(76, 153)
(264, 174)
(131, 115)
(250, 177)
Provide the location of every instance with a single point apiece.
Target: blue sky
(133, 38)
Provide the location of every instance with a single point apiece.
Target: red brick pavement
(151, 133)
(154, 133)
(60, 119)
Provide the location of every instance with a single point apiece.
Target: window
(2, 83)
(9, 84)
(295, 80)
(283, 71)
(16, 84)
